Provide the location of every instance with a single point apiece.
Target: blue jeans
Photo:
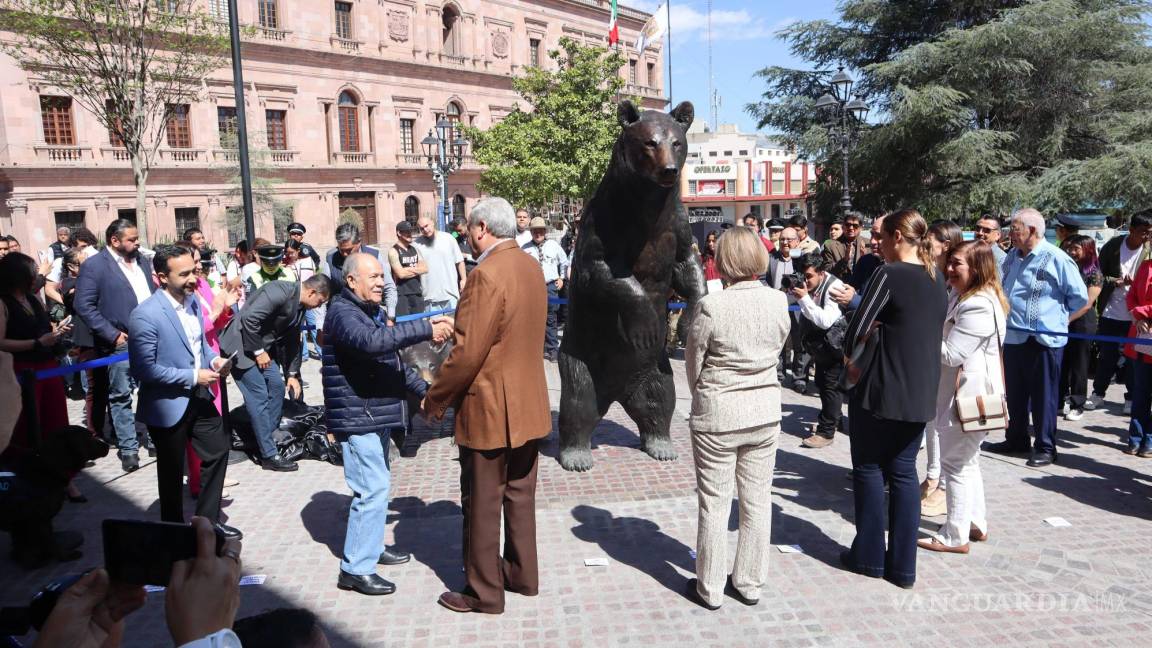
(263, 392)
(308, 335)
(1032, 371)
(1140, 428)
(551, 344)
(120, 402)
(366, 470)
(884, 450)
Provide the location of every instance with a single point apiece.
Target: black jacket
(270, 320)
(104, 297)
(365, 380)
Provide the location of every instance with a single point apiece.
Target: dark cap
(270, 252)
(297, 228)
(405, 227)
(1068, 220)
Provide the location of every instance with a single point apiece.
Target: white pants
(744, 459)
(932, 443)
(960, 465)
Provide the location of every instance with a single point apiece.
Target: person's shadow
(433, 534)
(636, 542)
(325, 518)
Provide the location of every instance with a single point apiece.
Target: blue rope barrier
(1083, 336)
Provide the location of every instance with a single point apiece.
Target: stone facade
(348, 91)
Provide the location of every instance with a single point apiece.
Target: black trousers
(831, 398)
(204, 427)
(1074, 367)
(1112, 362)
(409, 304)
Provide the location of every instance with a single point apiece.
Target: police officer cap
(270, 252)
(297, 228)
(1068, 220)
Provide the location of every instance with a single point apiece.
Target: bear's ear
(684, 114)
(627, 114)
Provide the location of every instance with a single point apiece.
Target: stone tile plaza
(1031, 584)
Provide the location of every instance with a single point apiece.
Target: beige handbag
(984, 412)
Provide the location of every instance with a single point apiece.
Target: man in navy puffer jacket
(365, 385)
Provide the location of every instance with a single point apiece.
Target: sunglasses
(852, 225)
(986, 230)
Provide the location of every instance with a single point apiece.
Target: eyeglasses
(986, 230)
(852, 225)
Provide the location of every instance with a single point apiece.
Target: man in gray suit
(270, 320)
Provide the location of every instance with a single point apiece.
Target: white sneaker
(1093, 402)
(1065, 409)
(1127, 407)
(1074, 415)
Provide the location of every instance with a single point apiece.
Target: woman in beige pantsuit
(731, 358)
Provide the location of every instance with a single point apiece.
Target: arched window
(349, 122)
(451, 31)
(411, 208)
(458, 205)
(452, 114)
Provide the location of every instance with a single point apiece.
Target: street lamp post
(844, 119)
(444, 158)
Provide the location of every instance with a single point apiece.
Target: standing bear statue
(633, 251)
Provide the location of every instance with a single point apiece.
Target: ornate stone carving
(16, 205)
(101, 202)
(500, 44)
(398, 25)
(214, 201)
(357, 182)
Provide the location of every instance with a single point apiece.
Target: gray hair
(347, 233)
(497, 214)
(66, 230)
(1029, 217)
(354, 261)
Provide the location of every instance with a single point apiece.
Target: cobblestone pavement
(1030, 584)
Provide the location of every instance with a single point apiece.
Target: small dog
(33, 486)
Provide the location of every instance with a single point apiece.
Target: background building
(729, 174)
(339, 95)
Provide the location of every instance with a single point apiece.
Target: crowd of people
(912, 327)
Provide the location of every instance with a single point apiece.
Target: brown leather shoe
(935, 545)
(816, 441)
(455, 601)
(975, 535)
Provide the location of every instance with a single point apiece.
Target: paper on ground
(253, 579)
(595, 562)
(1057, 522)
(790, 549)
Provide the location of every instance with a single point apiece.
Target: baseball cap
(405, 227)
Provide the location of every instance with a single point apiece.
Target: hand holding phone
(143, 553)
(204, 592)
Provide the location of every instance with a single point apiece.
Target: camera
(790, 281)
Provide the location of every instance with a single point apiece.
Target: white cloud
(727, 25)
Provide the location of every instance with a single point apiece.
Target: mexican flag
(613, 26)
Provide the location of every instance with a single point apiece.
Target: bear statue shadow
(633, 250)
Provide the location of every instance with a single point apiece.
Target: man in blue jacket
(110, 285)
(365, 385)
(347, 244)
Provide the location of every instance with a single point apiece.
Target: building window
(407, 136)
(73, 220)
(226, 123)
(114, 138)
(534, 52)
(277, 129)
(167, 6)
(458, 205)
(452, 113)
(187, 218)
(411, 208)
(727, 153)
(743, 152)
(691, 187)
(269, 19)
(797, 182)
(56, 113)
(127, 214)
(711, 153)
(651, 75)
(632, 72)
(451, 33)
(218, 9)
(729, 187)
(349, 122)
(344, 20)
(179, 129)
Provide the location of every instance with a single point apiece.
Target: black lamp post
(844, 119)
(444, 158)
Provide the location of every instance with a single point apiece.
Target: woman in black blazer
(895, 397)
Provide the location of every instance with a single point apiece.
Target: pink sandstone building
(339, 95)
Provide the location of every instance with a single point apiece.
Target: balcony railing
(353, 158)
(452, 60)
(282, 157)
(272, 34)
(68, 153)
(641, 91)
(115, 153)
(182, 155)
(346, 44)
(226, 155)
(411, 160)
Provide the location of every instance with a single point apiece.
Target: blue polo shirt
(1043, 288)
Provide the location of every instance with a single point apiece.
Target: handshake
(443, 329)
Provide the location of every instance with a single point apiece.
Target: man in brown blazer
(494, 379)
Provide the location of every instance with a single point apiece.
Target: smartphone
(67, 321)
(228, 362)
(138, 552)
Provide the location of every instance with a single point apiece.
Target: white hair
(497, 214)
(1029, 217)
(354, 261)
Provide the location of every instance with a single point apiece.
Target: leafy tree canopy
(983, 105)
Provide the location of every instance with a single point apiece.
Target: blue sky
(743, 41)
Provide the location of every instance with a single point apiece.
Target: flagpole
(668, 10)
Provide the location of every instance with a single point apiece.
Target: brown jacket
(494, 376)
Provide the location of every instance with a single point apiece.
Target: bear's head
(653, 144)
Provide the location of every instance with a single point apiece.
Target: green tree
(983, 106)
(128, 62)
(560, 147)
(267, 208)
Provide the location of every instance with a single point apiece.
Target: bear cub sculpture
(634, 249)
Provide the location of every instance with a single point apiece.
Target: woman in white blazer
(973, 335)
(735, 421)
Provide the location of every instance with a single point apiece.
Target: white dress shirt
(551, 257)
(135, 274)
(523, 237)
(193, 328)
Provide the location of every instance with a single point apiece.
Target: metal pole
(442, 182)
(668, 7)
(241, 125)
(846, 199)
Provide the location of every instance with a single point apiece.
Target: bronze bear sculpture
(633, 250)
